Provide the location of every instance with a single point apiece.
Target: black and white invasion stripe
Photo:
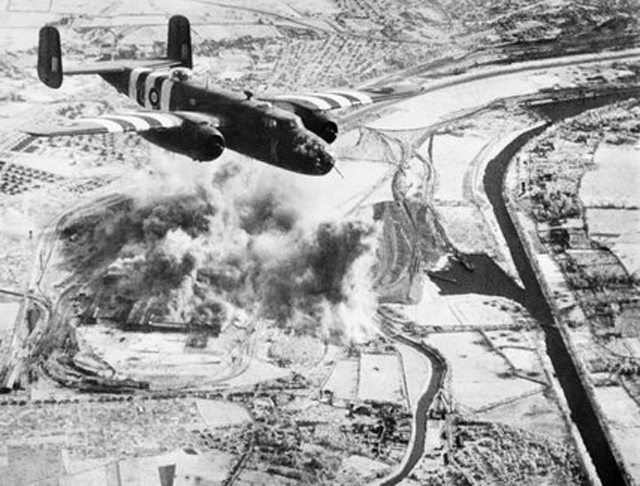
(328, 101)
(151, 89)
(138, 122)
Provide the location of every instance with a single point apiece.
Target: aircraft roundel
(154, 97)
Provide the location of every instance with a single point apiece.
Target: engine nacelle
(207, 143)
(200, 142)
(321, 125)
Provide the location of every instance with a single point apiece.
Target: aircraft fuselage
(250, 127)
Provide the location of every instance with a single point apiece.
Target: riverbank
(566, 308)
(536, 298)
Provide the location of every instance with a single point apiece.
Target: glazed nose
(324, 162)
(320, 159)
(313, 154)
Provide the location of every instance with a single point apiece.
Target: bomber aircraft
(180, 115)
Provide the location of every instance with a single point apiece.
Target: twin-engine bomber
(180, 115)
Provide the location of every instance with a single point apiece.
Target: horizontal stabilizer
(100, 67)
(50, 69)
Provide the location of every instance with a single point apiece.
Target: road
(27, 345)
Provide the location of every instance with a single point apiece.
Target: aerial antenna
(338, 171)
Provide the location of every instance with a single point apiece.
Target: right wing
(142, 121)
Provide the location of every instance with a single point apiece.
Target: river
(436, 381)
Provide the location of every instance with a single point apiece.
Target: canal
(583, 411)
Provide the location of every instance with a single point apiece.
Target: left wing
(142, 121)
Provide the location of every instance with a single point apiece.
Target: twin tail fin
(50, 66)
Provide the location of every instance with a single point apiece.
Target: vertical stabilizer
(179, 41)
(50, 57)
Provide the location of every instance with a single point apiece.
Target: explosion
(238, 244)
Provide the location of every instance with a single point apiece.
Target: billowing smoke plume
(237, 245)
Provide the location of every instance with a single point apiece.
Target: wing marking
(130, 122)
(331, 100)
(133, 82)
(359, 96)
(109, 125)
(161, 120)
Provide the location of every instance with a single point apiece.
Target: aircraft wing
(142, 121)
(331, 100)
(342, 98)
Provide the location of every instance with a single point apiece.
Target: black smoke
(200, 254)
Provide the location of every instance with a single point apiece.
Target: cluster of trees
(554, 206)
(618, 366)
(501, 455)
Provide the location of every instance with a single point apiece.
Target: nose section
(314, 156)
(323, 162)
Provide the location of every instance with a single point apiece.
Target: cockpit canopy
(290, 123)
(180, 74)
(282, 123)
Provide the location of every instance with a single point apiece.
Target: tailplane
(50, 55)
